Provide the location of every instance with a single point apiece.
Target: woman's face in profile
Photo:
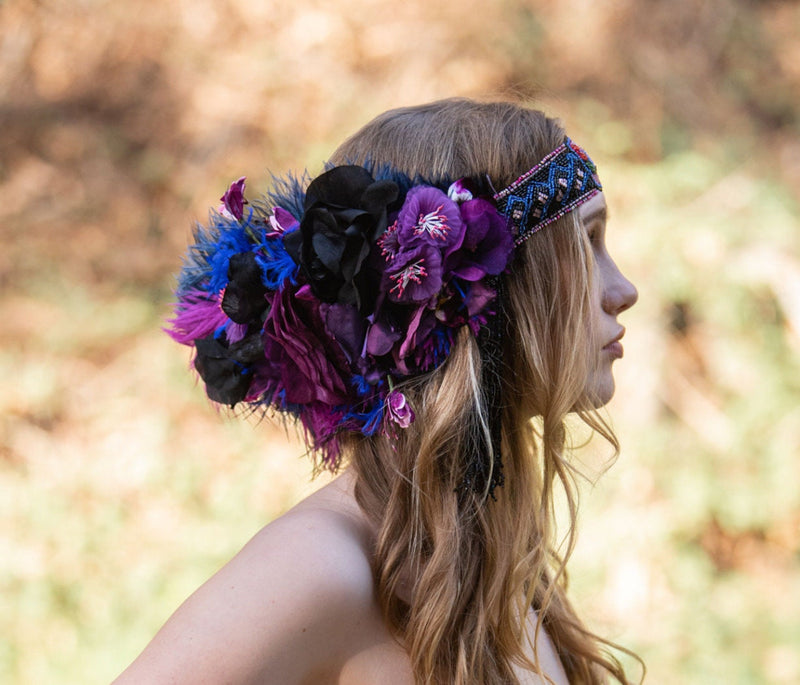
(612, 295)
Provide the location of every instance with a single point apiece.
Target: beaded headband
(319, 302)
(559, 183)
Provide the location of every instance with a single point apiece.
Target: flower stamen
(388, 242)
(433, 223)
(412, 273)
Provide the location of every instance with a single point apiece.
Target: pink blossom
(399, 410)
(233, 201)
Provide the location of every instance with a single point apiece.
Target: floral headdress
(318, 302)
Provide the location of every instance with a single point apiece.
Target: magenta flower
(233, 201)
(312, 368)
(281, 221)
(399, 410)
(458, 191)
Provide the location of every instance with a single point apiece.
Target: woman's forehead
(594, 206)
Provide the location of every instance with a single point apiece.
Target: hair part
(456, 575)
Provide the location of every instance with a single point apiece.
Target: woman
(431, 309)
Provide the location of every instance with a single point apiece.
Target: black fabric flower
(244, 298)
(226, 369)
(345, 213)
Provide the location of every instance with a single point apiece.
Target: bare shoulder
(293, 606)
(324, 542)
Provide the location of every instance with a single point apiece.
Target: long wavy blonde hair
(457, 576)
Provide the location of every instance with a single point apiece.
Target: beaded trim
(564, 179)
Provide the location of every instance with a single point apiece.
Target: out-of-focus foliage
(121, 122)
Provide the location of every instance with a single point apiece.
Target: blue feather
(275, 262)
(206, 263)
(233, 239)
(370, 420)
(361, 384)
(289, 192)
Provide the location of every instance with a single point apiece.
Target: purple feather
(196, 316)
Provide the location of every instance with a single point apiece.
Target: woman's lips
(615, 349)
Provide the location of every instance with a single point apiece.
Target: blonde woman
(430, 310)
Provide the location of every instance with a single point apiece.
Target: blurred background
(121, 489)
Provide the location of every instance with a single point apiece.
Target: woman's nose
(619, 293)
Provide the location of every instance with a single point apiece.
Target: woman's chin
(600, 390)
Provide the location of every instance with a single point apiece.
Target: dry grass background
(121, 490)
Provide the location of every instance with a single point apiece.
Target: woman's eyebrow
(599, 213)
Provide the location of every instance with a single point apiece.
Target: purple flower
(487, 243)
(414, 275)
(478, 298)
(381, 337)
(346, 326)
(420, 326)
(312, 368)
(399, 410)
(429, 216)
(389, 242)
(233, 201)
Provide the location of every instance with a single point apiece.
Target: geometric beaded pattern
(564, 179)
